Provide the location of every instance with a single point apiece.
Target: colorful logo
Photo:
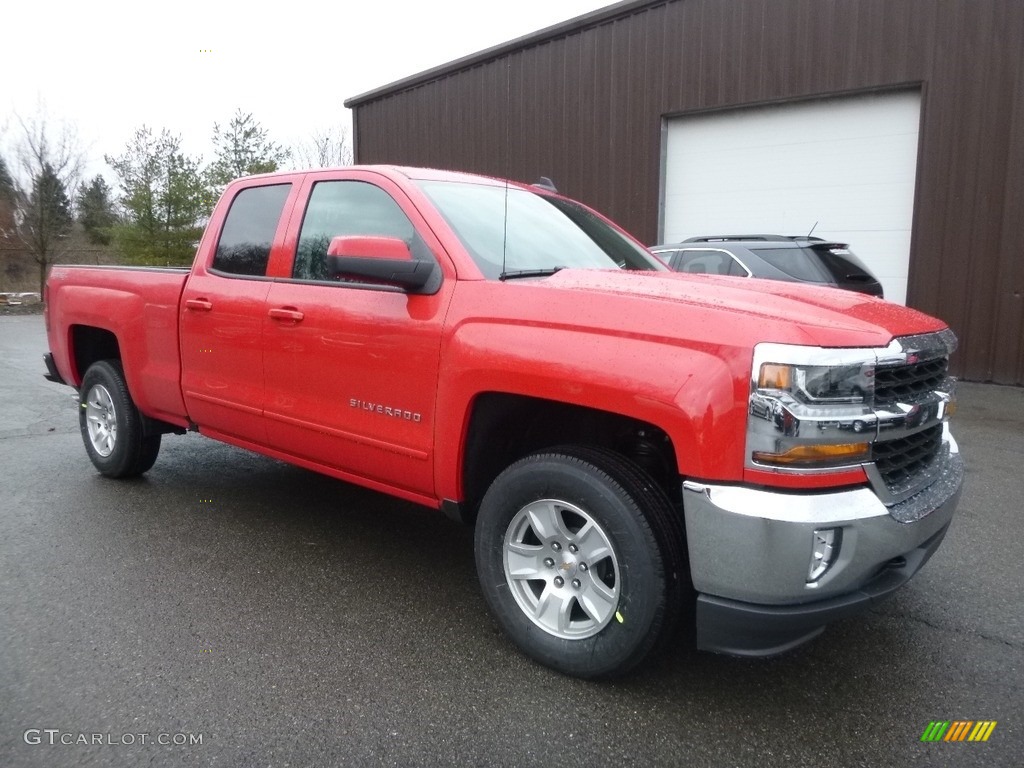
(958, 730)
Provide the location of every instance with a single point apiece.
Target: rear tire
(580, 558)
(111, 425)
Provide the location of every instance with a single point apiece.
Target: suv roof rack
(763, 238)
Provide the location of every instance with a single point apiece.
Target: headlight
(810, 408)
(818, 384)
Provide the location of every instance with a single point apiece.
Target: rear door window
(669, 257)
(736, 269)
(248, 231)
(706, 261)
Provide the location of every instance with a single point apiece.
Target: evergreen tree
(8, 202)
(164, 199)
(45, 218)
(96, 211)
(243, 149)
(6, 181)
(10, 246)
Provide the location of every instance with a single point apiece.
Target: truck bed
(138, 308)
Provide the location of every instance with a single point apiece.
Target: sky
(109, 66)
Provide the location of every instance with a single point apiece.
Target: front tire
(111, 425)
(579, 555)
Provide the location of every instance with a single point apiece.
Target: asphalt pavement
(230, 610)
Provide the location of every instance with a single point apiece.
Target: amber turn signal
(802, 455)
(775, 376)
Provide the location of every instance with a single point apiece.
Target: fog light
(824, 548)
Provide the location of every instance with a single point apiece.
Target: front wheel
(111, 425)
(579, 555)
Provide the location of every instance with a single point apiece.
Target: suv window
(338, 208)
(706, 261)
(801, 263)
(667, 255)
(248, 232)
(838, 262)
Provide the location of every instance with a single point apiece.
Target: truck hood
(778, 311)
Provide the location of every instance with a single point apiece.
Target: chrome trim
(830, 541)
(926, 346)
(818, 509)
(740, 261)
(733, 256)
(754, 545)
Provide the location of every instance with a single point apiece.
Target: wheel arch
(90, 344)
(502, 428)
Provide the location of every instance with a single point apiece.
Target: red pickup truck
(638, 449)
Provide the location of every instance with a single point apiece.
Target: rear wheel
(579, 555)
(111, 425)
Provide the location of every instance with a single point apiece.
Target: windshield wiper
(529, 273)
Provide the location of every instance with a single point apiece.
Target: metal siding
(584, 105)
(1006, 345)
(750, 54)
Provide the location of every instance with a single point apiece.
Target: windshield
(539, 233)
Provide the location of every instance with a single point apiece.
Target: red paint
(370, 248)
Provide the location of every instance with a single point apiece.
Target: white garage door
(847, 164)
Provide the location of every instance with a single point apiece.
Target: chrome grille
(899, 460)
(904, 383)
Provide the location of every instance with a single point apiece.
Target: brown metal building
(586, 103)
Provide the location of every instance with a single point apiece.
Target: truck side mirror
(386, 260)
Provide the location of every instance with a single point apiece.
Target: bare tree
(46, 173)
(328, 148)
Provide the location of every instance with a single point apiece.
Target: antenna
(812, 230)
(508, 161)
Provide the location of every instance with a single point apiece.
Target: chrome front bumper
(750, 551)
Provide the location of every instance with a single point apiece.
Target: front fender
(694, 395)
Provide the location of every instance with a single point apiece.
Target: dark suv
(774, 257)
